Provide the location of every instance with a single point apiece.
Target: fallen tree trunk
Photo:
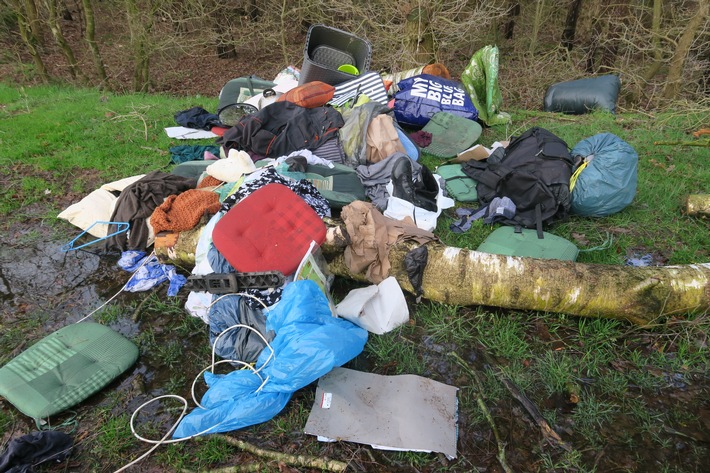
(465, 277)
(698, 205)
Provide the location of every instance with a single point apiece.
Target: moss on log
(698, 205)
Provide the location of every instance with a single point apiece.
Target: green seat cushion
(458, 185)
(505, 241)
(65, 368)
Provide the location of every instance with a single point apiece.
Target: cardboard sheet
(404, 412)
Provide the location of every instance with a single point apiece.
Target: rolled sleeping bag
(583, 95)
(608, 182)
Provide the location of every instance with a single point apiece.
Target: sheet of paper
(404, 412)
(183, 133)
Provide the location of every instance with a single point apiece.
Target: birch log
(640, 295)
(698, 205)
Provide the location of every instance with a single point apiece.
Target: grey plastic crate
(328, 48)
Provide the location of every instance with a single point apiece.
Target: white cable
(239, 294)
(247, 365)
(145, 261)
(214, 345)
(164, 440)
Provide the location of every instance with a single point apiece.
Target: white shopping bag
(378, 308)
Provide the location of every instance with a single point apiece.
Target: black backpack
(534, 172)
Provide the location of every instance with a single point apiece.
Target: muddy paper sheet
(404, 412)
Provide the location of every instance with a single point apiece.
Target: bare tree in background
(90, 37)
(607, 34)
(571, 24)
(33, 21)
(25, 22)
(55, 27)
(675, 68)
(140, 26)
(512, 14)
(419, 40)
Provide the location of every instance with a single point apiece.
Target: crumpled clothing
(268, 296)
(310, 157)
(27, 451)
(239, 343)
(500, 208)
(421, 138)
(372, 235)
(130, 260)
(183, 153)
(136, 204)
(304, 189)
(382, 139)
(184, 211)
(197, 117)
(353, 134)
(463, 224)
(150, 273)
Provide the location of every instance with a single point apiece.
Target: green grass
(114, 439)
(109, 314)
(504, 336)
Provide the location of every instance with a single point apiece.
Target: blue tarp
(309, 342)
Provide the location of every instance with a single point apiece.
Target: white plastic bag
(378, 308)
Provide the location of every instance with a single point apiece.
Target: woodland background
(661, 48)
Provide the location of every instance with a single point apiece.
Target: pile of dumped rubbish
(333, 140)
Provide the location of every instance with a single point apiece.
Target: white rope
(214, 345)
(164, 440)
(145, 261)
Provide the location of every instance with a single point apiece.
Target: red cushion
(270, 230)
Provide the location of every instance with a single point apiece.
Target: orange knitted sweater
(183, 211)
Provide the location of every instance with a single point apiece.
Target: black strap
(538, 221)
(229, 283)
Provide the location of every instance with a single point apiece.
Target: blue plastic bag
(420, 97)
(309, 343)
(608, 183)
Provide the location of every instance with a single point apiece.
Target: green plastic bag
(480, 78)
